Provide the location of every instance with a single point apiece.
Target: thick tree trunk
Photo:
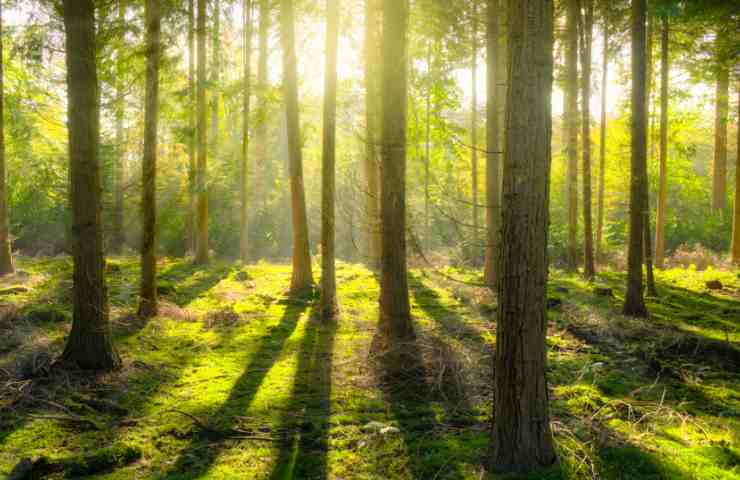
(474, 131)
(89, 345)
(522, 439)
(148, 295)
(395, 315)
(570, 114)
(302, 277)
(589, 268)
(260, 132)
(6, 259)
(736, 208)
(634, 303)
(118, 237)
(328, 300)
(602, 146)
(244, 167)
(719, 167)
(371, 163)
(492, 145)
(201, 244)
(192, 205)
(663, 168)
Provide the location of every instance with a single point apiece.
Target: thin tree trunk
(328, 300)
(427, 147)
(602, 146)
(634, 303)
(663, 168)
(647, 237)
(118, 236)
(244, 167)
(201, 250)
(6, 258)
(570, 114)
(89, 345)
(522, 439)
(260, 133)
(589, 268)
(191, 233)
(215, 73)
(736, 208)
(492, 145)
(148, 296)
(474, 131)
(302, 277)
(371, 162)
(719, 167)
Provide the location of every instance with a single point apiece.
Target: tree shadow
(183, 282)
(304, 453)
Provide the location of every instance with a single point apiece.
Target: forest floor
(235, 379)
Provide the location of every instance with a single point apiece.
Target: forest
(370, 239)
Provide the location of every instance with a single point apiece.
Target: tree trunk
(328, 300)
(570, 113)
(89, 345)
(736, 208)
(395, 315)
(634, 303)
(302, 276)
(427, 148)
(371, 162)
(6, 259)
(474, 131)
(215, 74)
(589, 268)
(522, 439)
(719, 168)
(492, 145)
(260, 133)
(191, 214)
(201, 250)
(602, 146)
(663, 168)
(118, 237)
(148, 296)
(244, 167)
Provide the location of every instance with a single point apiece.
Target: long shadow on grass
(200, 454)
(305, 451)
(190, 281)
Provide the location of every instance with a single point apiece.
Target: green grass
(231, 352)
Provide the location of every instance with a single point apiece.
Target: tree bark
(602, 145)
(192, 205)
(244, 167)
(663, 160)
(371, 163)
(634, 303)
(89, 345)
(719, 167)
(492, 145)
(589, 267)
(6, 258)
(474, 131)
(260, 132)
(736, 208)
(570, 113)
(302, 277)
(118, 237)
(522, 439)
(201, 249)
(328, 299)
(148, 296)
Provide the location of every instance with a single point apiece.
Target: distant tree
(602, 131)
(634, 302)
(589, 268)
(89, 345)
(521, 435)
(244, 166)
(663, 159)
(492, 143)
(215, 97)
(371, 163)
(719, 166)
(260, 130)
(6, 259)
(328, 300)
(474, 127)
(736, 208)
(148, 296)
(570, 116)
(192, 167)
(118, 237)
(201, 244)
(302, 277)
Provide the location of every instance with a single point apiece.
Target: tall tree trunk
(371, 163)
(215, 73)
(191, 214)
(634, 302)
(89, 345)
(736, 208)
(602, 145)
(663, 168)
(302, 276)
(570, 114)
(589, 268)
(395, 315)
(201, 246)
(522, 439)
(118, 237)
(474, 130)
(328, 300)
(719, 167)
(647, 237)
(492, 145)
(6, 259)
(260, 132)
(427, 147)
(148, 295)
(244, 167)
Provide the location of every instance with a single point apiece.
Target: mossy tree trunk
(201, 244)
(570, 116)
(6, 259)
(89, 345)
(492, 144)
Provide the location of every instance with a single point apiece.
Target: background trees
(6, 260)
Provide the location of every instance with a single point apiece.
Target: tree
(328, 300)
(89, 345)
(634, 303)
(260, 131)
(492, 145)
(522, 439)
(570, 115)
(663, 160)
(395, 314)
(192, 167)
(6, 259)
(474, 128)
(244, 166)
(201, 244)
(719, 166)
(118, 237)
(589, 269)
(602, 143)
(215, 71)
(736, 208)
(302, 277)
(371, 161)
(148, 296)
